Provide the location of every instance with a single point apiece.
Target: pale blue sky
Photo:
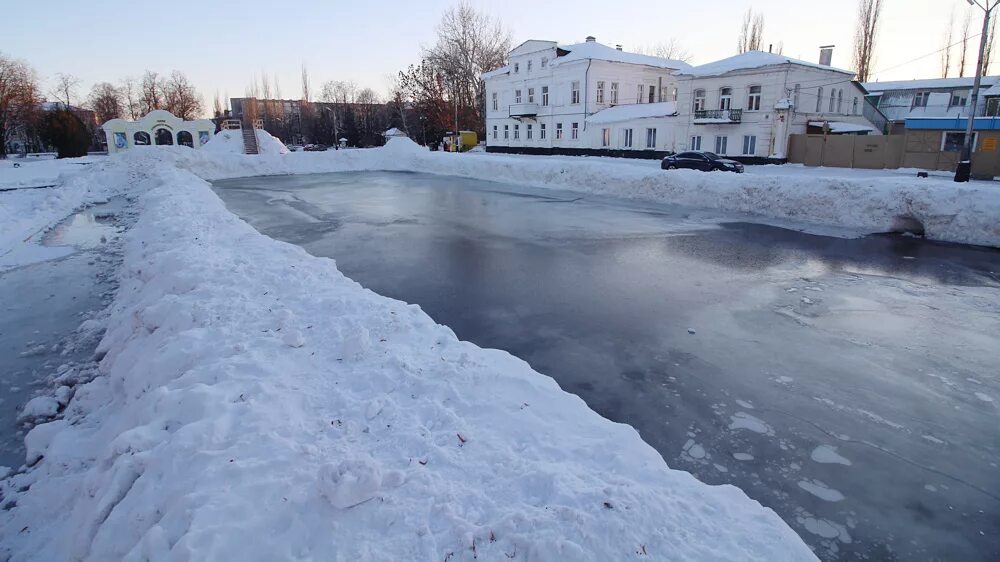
(220, 44)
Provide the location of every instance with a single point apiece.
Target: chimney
(591, 39)
(826, 54)
(769, 45)
(619, 47)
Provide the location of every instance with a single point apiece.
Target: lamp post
(964, 169)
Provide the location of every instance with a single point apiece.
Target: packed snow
(255, 404)
(230, 141)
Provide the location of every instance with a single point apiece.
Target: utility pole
(964, 169)
(454, 93)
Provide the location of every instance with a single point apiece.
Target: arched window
(819, 99)
(163, 137)
(699, 99)
(795, 99)
(184, 138)
(840, 100)
(725, 98)
(833, 99)
(141, 138)
(855, 105)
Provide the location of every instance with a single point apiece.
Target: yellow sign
(989, 144)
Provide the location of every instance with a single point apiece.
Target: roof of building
(632, 111)
(751, 60)
(598, 51)
(927, 84)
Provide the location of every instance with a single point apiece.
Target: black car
(698, 160)
(315, 148)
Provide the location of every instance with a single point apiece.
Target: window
(558, 131)
(506, 132)
(517, 67)
(575, 131)
(958, 99)
(819, 99)
(605, 137)
(575, 93)
(627, 138)
(992, 107)
(795, 97)
(600, 91)
(638, 96)
(833, 99)
(529, 66)
(722, 145)
(699, 100)
(855, 105)
(517, 131)
(545, 95)
(954, 141)
(652, 94)
(725, 98)
(141, 138)
(840, 101)
(541, 131)
(673, 94)
(494, 132)
(545, 61)
(529, 131)
(696, 142)
(749, 145)
(531, 95)
(517, 96)
(920, 99)
(614, 93)
(651, 137)
(753, 99)
(494, 101)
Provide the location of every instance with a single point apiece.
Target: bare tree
(150, 92)
(217, 109)
(106, 100)
(751, 32)
(19, 97)
(988, 53)
(865, 36)
(306, 87)
(949, 35)
(966, 26)
(669, 49)
(65, 88)
(180, 97)
(130, 97)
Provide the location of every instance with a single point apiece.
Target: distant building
(159, 127)
(932, 98)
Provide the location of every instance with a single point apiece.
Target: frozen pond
(43, 304)
(851, 385)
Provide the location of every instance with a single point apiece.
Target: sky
(222, 44)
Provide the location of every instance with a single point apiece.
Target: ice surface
(827, 454)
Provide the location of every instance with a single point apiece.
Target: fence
(915, 149)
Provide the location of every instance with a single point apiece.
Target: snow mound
(379, 436)
(228, 141)
(403, 145)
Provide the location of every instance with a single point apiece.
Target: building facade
(589, 98)
(932, 98)
(158, 127)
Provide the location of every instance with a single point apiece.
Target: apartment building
(589, 98)
(932, 98)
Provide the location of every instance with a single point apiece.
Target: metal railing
(720, 115)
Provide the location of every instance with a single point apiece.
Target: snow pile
(255, 404)
(230, 141)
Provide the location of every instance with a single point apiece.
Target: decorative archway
(141, 138)
(184, 138)
(164, 137)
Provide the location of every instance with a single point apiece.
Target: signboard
(989, 144)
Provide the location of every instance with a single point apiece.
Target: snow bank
(255, 404)
(231, 142)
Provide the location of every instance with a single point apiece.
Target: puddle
(89, 229)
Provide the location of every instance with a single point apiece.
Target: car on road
(294, 147)
(315, 148)
(698, 160)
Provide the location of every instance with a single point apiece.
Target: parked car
(294, 147)
(315, 148)
(698, 160)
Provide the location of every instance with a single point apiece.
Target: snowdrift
(231, 142)
(255, 404)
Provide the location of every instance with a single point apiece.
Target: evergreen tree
(66, 133)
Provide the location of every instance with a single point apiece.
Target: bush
(66, 133)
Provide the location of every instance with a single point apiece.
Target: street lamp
(964, 169)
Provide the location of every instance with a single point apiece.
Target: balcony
(524, 110)
(718, 116)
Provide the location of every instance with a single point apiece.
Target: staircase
(250, 141)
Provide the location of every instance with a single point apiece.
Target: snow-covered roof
(750, 60)
(598, 51)
(502, 70)
(992, 91)
(394, 132)
(927, 84)
(843, 127)
(632, 111)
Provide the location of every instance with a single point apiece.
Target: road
(850, 384)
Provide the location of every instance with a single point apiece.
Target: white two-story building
(593, 99)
